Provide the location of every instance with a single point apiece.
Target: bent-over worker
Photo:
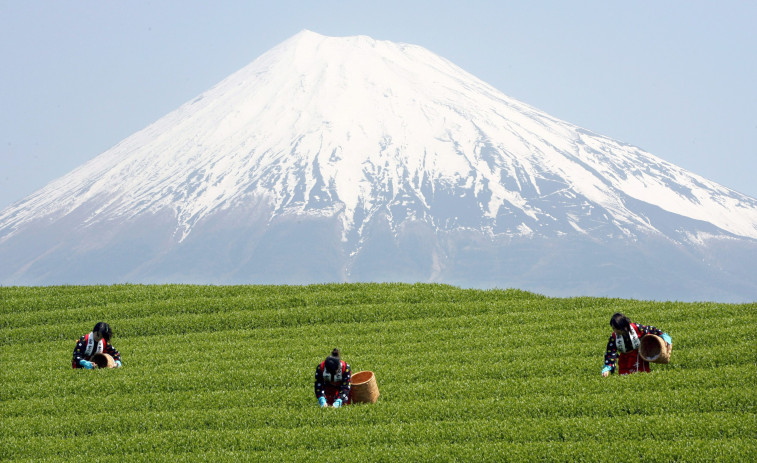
(332, 381)
(624, 343)
(96, 342)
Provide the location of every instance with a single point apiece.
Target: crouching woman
(96, 342)
(332, 381)
(623, 346)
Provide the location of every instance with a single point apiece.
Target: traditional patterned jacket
(335, 386)
(624, 350)
(86, 348)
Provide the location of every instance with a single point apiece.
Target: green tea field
(225, 373)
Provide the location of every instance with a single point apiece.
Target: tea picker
(632, 346)
(94, 350)
(333, 381)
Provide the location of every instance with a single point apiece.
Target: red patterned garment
(624, 350)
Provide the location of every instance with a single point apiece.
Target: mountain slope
(345, 143)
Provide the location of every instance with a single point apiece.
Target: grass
(225, 373)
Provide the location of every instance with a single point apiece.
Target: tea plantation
(225, 373)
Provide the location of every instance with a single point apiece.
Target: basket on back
(654, 349)
(364, 388)
(103, 361)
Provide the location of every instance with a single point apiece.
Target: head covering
(620, 321)
(333, 362)
(104, 330)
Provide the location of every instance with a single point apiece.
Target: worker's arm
(611, 356)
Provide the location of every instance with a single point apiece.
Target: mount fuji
(352, 159)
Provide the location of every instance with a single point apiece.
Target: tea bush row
(225, 373)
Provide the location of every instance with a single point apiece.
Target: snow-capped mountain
(343, 159)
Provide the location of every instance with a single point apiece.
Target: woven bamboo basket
(103, 361)
(364, 388)
(654, 349)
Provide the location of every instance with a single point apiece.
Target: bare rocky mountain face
(350, 159)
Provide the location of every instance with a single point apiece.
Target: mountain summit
(352, 159)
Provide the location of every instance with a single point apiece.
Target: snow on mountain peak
(356, 126)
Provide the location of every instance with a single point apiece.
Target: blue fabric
(666, 337)
(337, 403)
(606, 368)
(86, 364)
(118, 363)
(322, 401)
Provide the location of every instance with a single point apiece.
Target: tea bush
(225, 373)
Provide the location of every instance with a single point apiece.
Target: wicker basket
(364, 388)
(654, 349)
(103, 361)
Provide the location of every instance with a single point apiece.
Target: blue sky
(676, 78)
